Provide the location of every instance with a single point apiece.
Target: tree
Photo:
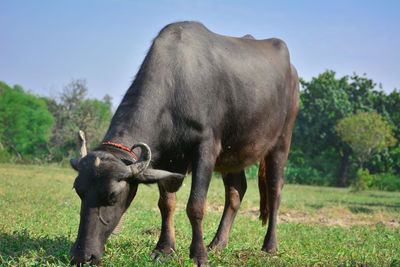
(324, 101)
(389, 107)
(25, 122)
(75, 111)
(367, 134)
(38, 127)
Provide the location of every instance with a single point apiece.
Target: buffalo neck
(141, 114)
(148, 111)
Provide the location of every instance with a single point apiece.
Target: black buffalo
(201, 102)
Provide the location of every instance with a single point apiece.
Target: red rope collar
(121, 147)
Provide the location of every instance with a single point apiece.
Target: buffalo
(200, 102)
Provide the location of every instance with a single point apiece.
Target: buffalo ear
(74, 163)
(149, 176)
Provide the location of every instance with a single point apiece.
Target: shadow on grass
(378, 195)
(37, 249)
(370, 205)
(360, 209)
(315, 206)
(388, 206)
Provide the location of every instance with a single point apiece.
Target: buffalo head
(106, 187)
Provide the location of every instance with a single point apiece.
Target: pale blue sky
(45, 44)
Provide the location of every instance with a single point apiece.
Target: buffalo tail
(262, 186)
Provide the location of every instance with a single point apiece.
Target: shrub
(295, 174)
(362, 181)
(384, 181)
(379, 181)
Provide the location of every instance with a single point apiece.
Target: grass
(39, 217)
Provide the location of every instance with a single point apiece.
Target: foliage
(367, 133)
(41, 128)
(381, 181)
(302, 169)
(389, 107)
(73, 112)
(362, 181)
(25, 122)
(252, 171)
(318, 226)
(385, 181)
(324, 101)
(304, 175)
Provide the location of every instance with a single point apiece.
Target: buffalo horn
(82, 152)
(82, 144)
(144, 160)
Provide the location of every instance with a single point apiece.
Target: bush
(384, 181)
(379, 181)
(312, 169)
(305, 175)
(5, 156)
(362, 181)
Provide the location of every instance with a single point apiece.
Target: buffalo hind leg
(274, 163)
(274, 171)
(166, 243)
(235, 188)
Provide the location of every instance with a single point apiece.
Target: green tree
(388, 105)
(25, 122)
(367, 134)
(324, 101)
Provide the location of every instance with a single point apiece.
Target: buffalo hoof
(80, 261)
(270, 250)
(206, 264)
(217, 245)
(160, 256)
(199, 256)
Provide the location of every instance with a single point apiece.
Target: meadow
(39, 217)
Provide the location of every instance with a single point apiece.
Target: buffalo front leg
(235, 188)
(166, 243)
(202, 171)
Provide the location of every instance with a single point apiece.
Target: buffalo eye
(112, 198)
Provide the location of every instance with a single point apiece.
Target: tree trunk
(344, 167)
(15, 150)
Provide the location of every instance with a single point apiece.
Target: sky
(44, 45)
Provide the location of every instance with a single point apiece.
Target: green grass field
(39, 217)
